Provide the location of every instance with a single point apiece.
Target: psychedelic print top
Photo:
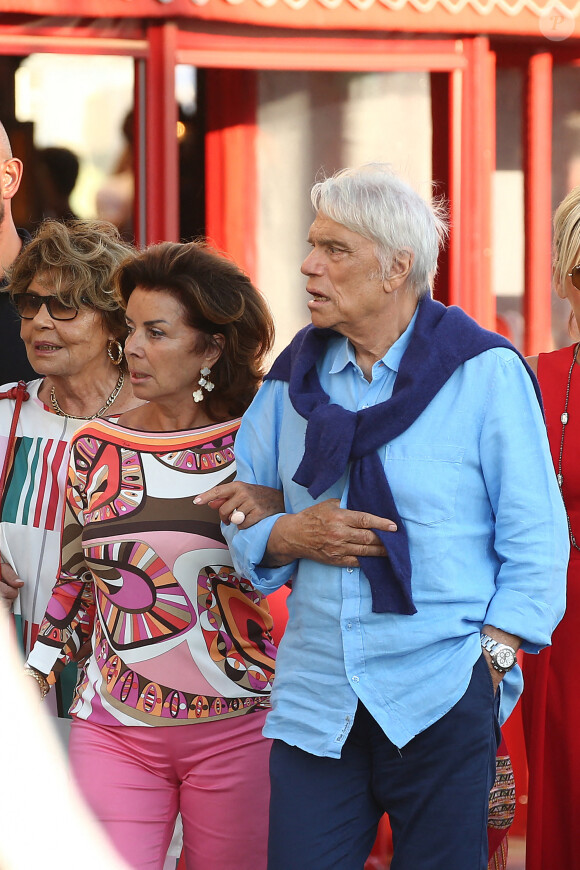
(176, 635)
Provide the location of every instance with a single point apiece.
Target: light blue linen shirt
(474, 484)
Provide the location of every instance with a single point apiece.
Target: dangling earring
(119, 348)
(204, 382)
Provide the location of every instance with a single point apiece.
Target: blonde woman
(551, 704)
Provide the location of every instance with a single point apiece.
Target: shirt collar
(344, 353)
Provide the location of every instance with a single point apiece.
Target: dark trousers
(324, 812)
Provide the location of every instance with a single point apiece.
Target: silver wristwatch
(503, 657)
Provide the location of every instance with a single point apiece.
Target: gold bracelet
(40, 679)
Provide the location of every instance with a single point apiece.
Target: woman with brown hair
(73, 329)
(169, 713)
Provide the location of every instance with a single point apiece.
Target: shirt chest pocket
(424, 480)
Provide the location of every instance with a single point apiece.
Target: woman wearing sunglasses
(73, 330)
(551, 701)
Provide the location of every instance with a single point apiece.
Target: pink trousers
(136, 779)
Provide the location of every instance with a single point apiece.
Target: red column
(161, 151)
(474, 292)
(446, 171)
(231, 187)
(139, 152)
(538, 203)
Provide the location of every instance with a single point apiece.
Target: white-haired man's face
(344, 278)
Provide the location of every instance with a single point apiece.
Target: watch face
(505, 657)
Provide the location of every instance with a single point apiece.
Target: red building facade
(461, 45)
(458, 43)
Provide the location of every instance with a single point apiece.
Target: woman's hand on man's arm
(324, 532)
(243, 504)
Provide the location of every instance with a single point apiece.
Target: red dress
(551, 698)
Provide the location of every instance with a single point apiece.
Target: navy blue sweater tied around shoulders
(442, 340)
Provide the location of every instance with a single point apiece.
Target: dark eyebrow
(150, 322)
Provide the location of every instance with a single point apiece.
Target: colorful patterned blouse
(31, 515)
(177, 637)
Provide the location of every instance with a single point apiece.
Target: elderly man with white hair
(423, 535)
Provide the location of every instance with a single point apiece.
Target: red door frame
(467, 117)
(442, 56)
(162, 151)
(231, 208)
(446, 93)
(478, 162)
(103, 40)
(538, 203)
(463, 107)
(156, 149)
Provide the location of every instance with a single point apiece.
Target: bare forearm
(282, 549)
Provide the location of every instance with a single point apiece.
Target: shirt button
(349, 570)
(356, 679)
(349, 626)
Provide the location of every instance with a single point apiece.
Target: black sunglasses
(575, 276)
(29, 304)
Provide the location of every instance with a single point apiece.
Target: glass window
(77, 107)
(320, 122)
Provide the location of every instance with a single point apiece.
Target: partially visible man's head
(10, 173)
(374, 202)
(5, 149)
(5, 154)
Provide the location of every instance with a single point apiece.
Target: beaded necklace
(564, 420)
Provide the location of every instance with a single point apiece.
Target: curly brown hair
(80, 258)
(217, 298)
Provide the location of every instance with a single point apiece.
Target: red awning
(546, 19)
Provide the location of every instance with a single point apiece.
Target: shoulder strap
(20, 394)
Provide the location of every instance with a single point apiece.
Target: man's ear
(11, 177)
(401, 265)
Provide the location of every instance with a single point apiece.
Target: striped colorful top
(176, 636)
(32, 511)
